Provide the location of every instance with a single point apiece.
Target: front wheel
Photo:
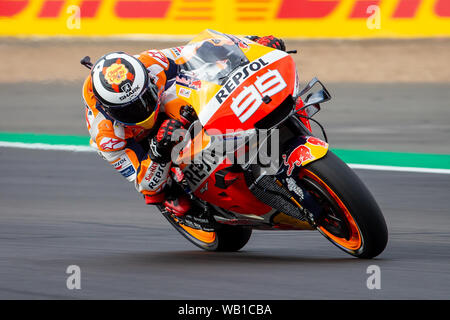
(224, 238)
(350, 217)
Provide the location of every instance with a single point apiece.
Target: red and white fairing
(251, 93)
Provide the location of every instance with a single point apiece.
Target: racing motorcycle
(244, 92)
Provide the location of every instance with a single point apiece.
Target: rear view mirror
(309, 86)
(312, 109)
(317, 97)
(312, 101)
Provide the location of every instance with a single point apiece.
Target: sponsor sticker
(107, 144)
(189, 82)
(156, 175)
(197, 173)
(239, 42)
(184, 92)
(128, 171)
(116, 74)
(176, 51)
(317, 142)
(235, 80)
(129, 91)
(297, 157)
(121, 163)
(292, 186)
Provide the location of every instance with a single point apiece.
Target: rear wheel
(224, 238)
(350, 218)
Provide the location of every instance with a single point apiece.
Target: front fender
(300, 151)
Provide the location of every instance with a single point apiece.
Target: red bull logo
(297, 157)
(317, 142)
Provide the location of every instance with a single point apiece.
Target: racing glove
(161, 145)
(269, 41)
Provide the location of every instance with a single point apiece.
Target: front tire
(351, 218)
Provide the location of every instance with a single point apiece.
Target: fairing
(240, 83)
(237, 84)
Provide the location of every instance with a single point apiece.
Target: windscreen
(213, 59)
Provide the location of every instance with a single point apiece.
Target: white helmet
(121, 84)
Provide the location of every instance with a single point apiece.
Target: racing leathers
(126, 148)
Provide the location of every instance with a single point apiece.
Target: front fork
(298, 152)
(306, 203)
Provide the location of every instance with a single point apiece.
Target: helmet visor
(136, 111)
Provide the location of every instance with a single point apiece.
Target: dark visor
(136, 111)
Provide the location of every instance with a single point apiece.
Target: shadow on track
(212, 259)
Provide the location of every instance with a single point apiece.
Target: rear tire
(233, 238)
(362, 231)
(225, 238)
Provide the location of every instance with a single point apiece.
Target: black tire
(358, 201)
(226, 238)
(233, 238)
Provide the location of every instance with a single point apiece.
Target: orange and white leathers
(119, 144)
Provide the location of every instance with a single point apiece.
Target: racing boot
(154, 198)
(179, 206)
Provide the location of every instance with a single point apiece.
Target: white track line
(44, 146)
(393, 168)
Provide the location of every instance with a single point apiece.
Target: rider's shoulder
(154, 56)
(88, 93)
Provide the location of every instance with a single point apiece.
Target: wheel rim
(338, 226)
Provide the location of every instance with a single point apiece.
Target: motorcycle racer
(132, 110)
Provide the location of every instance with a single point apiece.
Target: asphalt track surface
(62, 208)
